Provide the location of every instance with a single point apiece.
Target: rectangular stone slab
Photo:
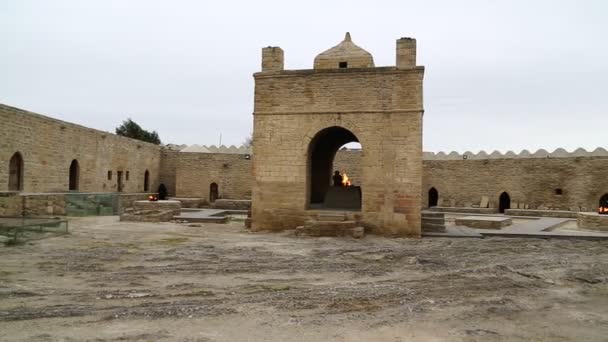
(483, 222)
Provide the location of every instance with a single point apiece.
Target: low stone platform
(190, 202)
(152, 211)
(541, 213)
(592, 221)
(231, 204)
(466, 210)
(433, 221)
(483, 222)
(330, 225)
(343, 197)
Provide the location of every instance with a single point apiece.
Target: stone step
(433, 220)
(207, 219)
(433, 227)
(330, 224)
(331, 217)
(426, 214)
(355, 232)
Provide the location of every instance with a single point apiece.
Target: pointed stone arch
(433, 197)
(74, 176)
(15, 172)
(504, 202)
(146, 181)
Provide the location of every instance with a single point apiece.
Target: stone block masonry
(48, 147)
(380, 107)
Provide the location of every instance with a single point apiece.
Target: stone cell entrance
(504, 202)
(74, 176)
(433, 197)
(302, 117)
(15, 173)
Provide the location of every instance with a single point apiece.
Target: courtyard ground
(117, 281)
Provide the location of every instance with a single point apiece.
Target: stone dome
(344, 55)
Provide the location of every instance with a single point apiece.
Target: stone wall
(349, 161)
(168, 170)
(382, 107)
(196, 171)
(10, 204)
(533, 181)
(48, 147)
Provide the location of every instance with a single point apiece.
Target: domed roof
(344, 55)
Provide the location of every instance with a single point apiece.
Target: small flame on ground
(152, 198)
(603, 210)
(345, 180)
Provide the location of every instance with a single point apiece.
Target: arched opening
(433, 197)
(504, 202)
(604, 201)
(162, 192)
(327, 188)
(214, 192)
(147, 181)
(15, 172)
(74, 175)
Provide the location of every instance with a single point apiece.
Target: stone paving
(532, 227)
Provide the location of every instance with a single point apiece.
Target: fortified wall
(48, 147)
(547, 180)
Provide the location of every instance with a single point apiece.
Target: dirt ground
(114, 281)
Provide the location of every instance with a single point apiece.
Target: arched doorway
(214, 192)
(433, 197)
(604, 201)
(321, 153)
(74, 175)
(146, 181)
(15, 172)
(504, 202)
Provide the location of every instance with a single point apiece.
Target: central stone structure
(302, 118)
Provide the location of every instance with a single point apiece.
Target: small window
(343, 65)
(127, 176)
(109, 175)
(559, 191)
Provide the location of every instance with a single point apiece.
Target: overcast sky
(504, 75)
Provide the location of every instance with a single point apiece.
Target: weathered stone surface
(381, 107)
(483, 222)
(540, 213)
(152, 211)
(592, 221)
(190, 202)
(48, 147)
(464, 210)
(195, 172)
(231, 204)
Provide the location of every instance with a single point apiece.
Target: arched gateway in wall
(302, 117)
(323, 194)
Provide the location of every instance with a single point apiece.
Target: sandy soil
(113, 281)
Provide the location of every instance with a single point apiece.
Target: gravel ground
(118, 281)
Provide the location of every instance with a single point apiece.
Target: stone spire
(344, 55)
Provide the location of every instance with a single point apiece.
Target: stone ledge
(464, 210)
(541, 213)
(483, 222)
(592, 221)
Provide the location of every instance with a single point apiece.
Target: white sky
(499, 74)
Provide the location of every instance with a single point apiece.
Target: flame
(152, 198)
(603, 210)
(345, 180)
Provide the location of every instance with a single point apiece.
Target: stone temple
(302, 121)
(303, 117)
